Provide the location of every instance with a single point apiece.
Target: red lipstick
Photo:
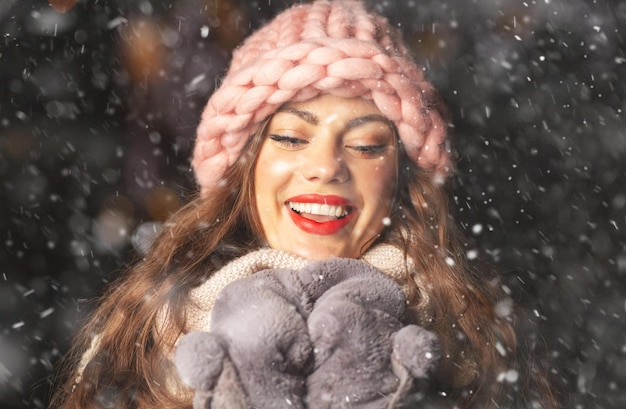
(321, 228)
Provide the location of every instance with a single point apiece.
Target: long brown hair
(463, 303)
(129, 369)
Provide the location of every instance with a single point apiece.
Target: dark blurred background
(99, 101)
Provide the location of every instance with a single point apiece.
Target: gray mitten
(258, 352)
(202, 364)
(264, 328)
(365, 357)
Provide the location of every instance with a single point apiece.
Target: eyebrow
(304, 115)
(353, 123)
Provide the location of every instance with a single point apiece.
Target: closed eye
(368, 151)
(288, 142)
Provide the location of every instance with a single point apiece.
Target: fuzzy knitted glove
(202, 363)
(326, 336)
(365, 357)
(258, 328)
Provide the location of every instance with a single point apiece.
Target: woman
(324, 140)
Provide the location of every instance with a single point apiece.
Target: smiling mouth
(320, 212)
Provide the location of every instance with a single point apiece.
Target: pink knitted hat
(334, 47)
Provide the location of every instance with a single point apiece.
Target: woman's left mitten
(365, 357)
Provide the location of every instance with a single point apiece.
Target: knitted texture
(334, 47)
(384, 257)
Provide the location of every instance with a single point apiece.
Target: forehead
(329, 109)
(335, 103)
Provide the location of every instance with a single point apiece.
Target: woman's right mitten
(203, 364)
(259, 321)
(365, 357)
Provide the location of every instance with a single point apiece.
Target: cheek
(379, 186)
(271, 165)
(384, 175)
(278, 168)
(270, 174)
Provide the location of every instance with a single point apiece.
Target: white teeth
(319, 209)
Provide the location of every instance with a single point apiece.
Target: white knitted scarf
(386, 258)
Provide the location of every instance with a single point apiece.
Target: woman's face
(325, 177)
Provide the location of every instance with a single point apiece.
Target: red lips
(320, 228)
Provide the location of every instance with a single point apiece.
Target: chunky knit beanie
(333, 47)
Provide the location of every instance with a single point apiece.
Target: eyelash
(368, 150)
(292, 143)
(287, 142)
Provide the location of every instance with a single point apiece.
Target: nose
(322, 163)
